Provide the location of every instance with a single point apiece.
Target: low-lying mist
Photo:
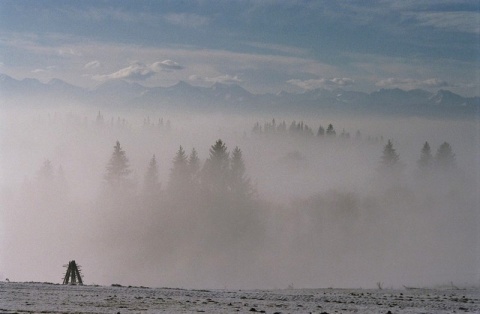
(124, 195)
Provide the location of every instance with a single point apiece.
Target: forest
(300, 205)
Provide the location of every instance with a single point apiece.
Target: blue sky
(264, 46)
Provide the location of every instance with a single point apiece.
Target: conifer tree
(239, 184)
(445, 158)
(46, 173)
(179, 174)
(216, 168)
(390, 157)
(118, 170)
(426, 158)
(193, 163)
(330, 130)
(151, 184)
(321, 131)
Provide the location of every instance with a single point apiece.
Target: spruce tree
(151, 184)
(216, 168)
(239, 184)
(321, 131)
(118, 170)
(46, 173)
(330, 130)
(193, 164)
(390, 157)
(426, 158)
(445, 158)
(179, 174)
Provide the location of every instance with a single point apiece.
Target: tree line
(221, 174)
(444, 158)
(302, 129)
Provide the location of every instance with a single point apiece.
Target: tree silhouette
(179, 174)
(321, 131)
(390, 157)
(118, 170)
(445, 158)
(151, 184)
(330, 130)
(238, 183)
(193, 165)
(426, 158)
(216, 168)
(46, 173)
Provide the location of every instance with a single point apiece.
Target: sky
(264, 46)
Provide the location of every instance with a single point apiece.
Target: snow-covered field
(52, 298)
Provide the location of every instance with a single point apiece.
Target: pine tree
(330, 130)
(389, 158)
(445, 158)
(239, 184)
(118, 170)
(179, 174)
(426, 158)
(321, 131)
(151, 184)
(46, 173)
(193, 164)
(216, 168)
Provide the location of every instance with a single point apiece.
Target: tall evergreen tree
(330, 130)
(216, 168)
(193, 164)
(445, 158)
(179, 174)
(239, 184)
(321, 131)
(46, 173)
(117, 168)
(390, 157)
(151, 184)
(426, 158)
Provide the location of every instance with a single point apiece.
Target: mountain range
(234, 98)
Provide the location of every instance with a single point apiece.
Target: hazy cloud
(322, 83)
(139, 71)
(187, 19)
(225, 79)
(409, 83)
(92, 65)
(166, 65)
(69, 52)
(291, 50)
(135, 72)
(466, 22)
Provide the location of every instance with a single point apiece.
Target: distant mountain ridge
(232, 97)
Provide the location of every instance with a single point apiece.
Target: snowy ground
(50, 298)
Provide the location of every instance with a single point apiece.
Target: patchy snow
(53, 298)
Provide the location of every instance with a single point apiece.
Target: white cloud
(410, 83)
(38, 71)
(225, 79)
(166, 65)
(135, 72)
(322, 83)
(187, 20)
(69, 52)
(92, 64)
(139, 71)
